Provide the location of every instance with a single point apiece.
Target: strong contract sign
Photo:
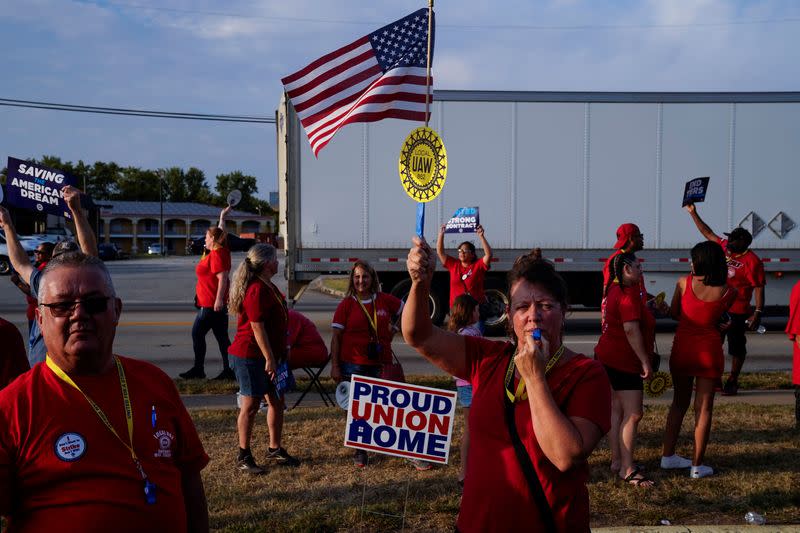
(37, 187)
(400, 419)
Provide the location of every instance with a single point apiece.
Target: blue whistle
(536, 334)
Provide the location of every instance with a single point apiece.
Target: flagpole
(428, 63)
(421, 205)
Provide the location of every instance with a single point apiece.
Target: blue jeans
(370, 371)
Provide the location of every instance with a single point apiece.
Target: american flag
(381, 75)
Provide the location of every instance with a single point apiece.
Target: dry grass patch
(753, 449)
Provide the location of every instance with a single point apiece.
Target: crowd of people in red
(536, 409)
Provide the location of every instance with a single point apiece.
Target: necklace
(521, 393)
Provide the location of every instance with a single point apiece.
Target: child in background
(464, 316)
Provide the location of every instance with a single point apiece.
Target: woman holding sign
(363, 326)
(211, 292)
(538, 408)
(467, 272)
(625, 349)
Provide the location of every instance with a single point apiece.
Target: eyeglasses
(93, 306)
(464, 251)
(38, 252)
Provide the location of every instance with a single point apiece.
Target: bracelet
(757, 311)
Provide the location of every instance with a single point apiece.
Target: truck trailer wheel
(435, 299)
(5, 266)
(494, 310)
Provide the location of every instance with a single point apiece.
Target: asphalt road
(157, 317)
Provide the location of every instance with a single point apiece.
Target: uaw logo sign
(423, 164)
(70, 447)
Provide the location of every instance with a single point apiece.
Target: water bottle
(754, 519)
(761, 330)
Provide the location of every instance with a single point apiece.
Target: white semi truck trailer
(555, 170)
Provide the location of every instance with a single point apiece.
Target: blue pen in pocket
(153, 418)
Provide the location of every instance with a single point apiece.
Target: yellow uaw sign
(423, 164)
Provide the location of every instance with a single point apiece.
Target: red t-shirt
(13, 360)
(496, 494)
(606, 273)
(306, 347)
(613, 349)
(466, 279)
(218, 260)
(357, 331)
(60, 466)
(262, 303)
(745, 273)
(793, 330)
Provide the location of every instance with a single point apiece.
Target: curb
(318, 284)
(697, 529)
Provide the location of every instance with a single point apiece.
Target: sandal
(636, 479)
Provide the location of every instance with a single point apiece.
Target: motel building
(133, 226)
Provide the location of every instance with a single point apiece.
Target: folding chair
(313, 373)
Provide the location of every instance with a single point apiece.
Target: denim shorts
(370, 371)
(251, 376)
(464, 395)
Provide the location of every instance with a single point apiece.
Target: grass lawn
(754, 450)
(747, 381)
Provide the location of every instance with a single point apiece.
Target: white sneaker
(700, 471)
(675, 461)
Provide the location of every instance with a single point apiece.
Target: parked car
(235, 244)
(5, 263)
(110, 252)
(154, 249)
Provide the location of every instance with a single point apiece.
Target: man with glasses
(26, 271)
(92, 440)
(467, 272)
(41, 255)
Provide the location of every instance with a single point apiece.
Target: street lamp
(161, 213)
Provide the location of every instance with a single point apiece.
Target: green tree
(137, 184)
(103, 180)
(246, 184)
(196, 186)
(175, 189)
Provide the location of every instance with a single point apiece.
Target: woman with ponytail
(625, 348)
(258, 349)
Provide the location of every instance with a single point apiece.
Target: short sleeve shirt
(745, 273)
(61, 467)
(262, 303)
(357, 332)
(623, 304)
(217, 261)
(466, 279)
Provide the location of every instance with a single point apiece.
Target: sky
(215, 57)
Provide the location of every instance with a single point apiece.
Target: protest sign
(695, 191)
(37, 187)
(400, 419)
(465, 220)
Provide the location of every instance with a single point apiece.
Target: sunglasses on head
(92, 305)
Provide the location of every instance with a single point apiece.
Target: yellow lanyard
(373, 320)
(126, 399)
(520, 393)
(280, 301)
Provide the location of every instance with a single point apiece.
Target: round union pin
(70, 447)
(423, 164)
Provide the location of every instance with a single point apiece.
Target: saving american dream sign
(400, 419)
(37, 187)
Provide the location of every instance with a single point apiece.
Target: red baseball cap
(624, 233)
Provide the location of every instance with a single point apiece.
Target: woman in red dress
(700, 302)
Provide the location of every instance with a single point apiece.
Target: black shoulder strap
(527, 468)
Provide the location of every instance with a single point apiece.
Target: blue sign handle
(420, 219)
